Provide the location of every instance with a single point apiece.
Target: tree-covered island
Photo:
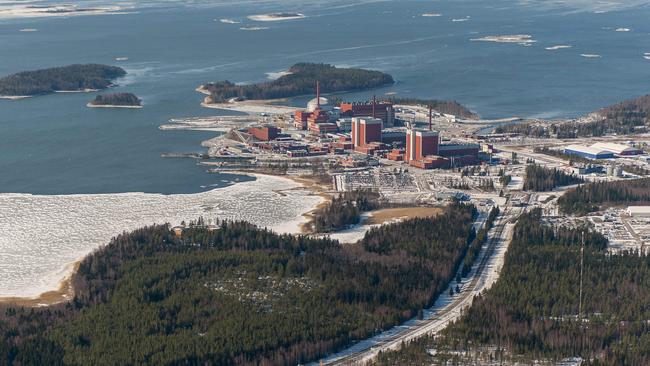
(300, 80)
(116, 100)
(60, 79)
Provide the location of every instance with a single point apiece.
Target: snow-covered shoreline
(44, 235)
(30, 10)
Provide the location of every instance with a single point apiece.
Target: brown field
(388, 214)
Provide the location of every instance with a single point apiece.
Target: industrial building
(394, 136)
(421, 143)
(458, 150)
(319, 116)
(588, 152)
(365, 131)
(618, 149)
(382, 110)
(264, 133)
(638, 211)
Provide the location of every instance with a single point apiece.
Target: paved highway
(484, 274)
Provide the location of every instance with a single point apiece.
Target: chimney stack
(374, 103)
(430, 119)
(318, 94)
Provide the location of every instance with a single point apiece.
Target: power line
(582, 259)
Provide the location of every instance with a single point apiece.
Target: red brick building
(420, 144)
(381, 110)
(366, 131)
(264, 133)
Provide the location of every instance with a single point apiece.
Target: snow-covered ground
(355, 232)
(43, 235)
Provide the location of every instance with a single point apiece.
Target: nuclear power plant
(354, 132)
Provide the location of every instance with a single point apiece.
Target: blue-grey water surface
(56, 145)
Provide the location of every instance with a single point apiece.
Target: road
(447, 309)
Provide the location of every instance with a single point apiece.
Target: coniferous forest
(344, 210)
(237, 295)
(66, 78)
(627, 117)
(542, 179)
(301, 81)
(117, 99)
(593, 196)
(532, 311)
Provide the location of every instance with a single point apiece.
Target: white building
(638, 211)
(618, 149)
(588, 152)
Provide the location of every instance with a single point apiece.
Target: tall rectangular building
(421, 143)
(366, 130)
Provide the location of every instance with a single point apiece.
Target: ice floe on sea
(39, 8)
(558, 47)
(253, 28)
(275, 17)
(229, 21)
(590, 55)
(43, 235)
(522, 39)
(431, 15)
(622, 29)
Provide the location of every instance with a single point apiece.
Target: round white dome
(324, 105)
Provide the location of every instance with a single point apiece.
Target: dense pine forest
(238, 295)
(532, 311)
(478, 241)
(594, 196)
(66, 78)
(542, 179)
(119, 99)
(301, 81)
(344, 210)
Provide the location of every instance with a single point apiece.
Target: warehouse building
(588, 152)
(618, 149)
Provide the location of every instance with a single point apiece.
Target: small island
(116, 100)
(299, 80)
(72, 78)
